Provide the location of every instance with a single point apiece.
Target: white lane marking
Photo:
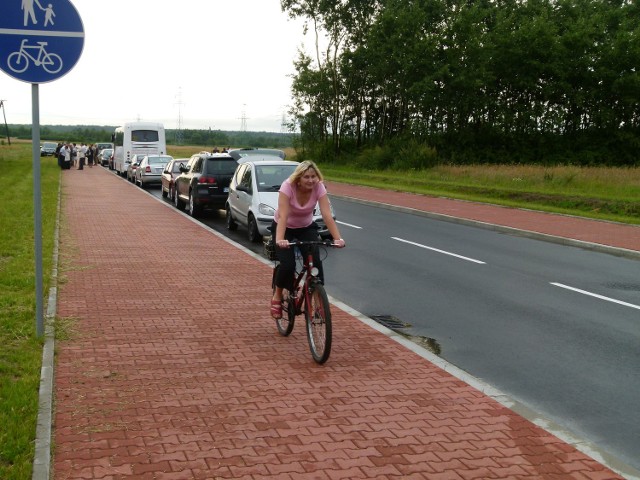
(601, 297)
(349, 225)
(437, 250)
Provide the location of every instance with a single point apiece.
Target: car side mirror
(244, 188)
(183, 169)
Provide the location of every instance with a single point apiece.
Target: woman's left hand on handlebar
(282, 243)
(339, 243)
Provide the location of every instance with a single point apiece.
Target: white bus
(133, 138)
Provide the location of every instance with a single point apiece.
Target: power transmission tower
(243, 119)
(5, 121)
(179, 102)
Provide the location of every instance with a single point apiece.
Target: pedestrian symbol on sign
(30, 14)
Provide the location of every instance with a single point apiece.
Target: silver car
(132, 166)
(149, 171)
(253, 196)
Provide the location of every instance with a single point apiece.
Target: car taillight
(148, 169)
(206, 179)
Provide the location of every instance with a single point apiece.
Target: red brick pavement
(172, 369)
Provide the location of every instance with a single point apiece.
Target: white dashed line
(438, 250)
(349, 225)
(601, 297)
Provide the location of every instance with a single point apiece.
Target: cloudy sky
(209, 63)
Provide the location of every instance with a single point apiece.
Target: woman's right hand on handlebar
(339, 243)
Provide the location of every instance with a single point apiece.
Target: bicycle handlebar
(302, 243)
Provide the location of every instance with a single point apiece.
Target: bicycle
(19, 61)
(308, 297)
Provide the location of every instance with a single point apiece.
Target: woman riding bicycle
(294, 220)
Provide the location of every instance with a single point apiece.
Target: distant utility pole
(5, 121)
(179, 102)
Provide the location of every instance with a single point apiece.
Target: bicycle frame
(303, 278)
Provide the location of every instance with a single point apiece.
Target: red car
(171, 171)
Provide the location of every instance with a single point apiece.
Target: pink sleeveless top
(300, 216)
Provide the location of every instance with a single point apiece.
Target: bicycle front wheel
(318, 316)
(285, 324)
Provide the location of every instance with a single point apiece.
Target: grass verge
(602, 193)
(21, 351)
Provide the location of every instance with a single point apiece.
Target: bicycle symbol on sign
(19, 61)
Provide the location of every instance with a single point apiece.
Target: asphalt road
(554, 327)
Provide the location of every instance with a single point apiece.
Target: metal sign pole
(37, 206)
(38, 52)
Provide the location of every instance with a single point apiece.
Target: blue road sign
(40, 40)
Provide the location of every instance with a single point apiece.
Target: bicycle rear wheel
(285, 324)
(318, 317)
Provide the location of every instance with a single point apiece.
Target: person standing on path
(82, 152)
(89, 155)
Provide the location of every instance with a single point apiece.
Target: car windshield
(225, 167)
(270, 177)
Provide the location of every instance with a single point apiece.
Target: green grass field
(605, 193)
(21, 352)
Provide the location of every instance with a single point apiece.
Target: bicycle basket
(270, 249)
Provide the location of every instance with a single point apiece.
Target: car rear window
(156, 160)
(226, 167)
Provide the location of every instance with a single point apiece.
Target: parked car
(204, 182)
(169, 174)
(149, 172)
(48, 149)
(104, 156)
(253, 197)
(240, 153)
(102, 145)
(131, 167)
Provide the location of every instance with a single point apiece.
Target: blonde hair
(301, 169)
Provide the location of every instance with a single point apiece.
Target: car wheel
(252, 227)
(172, 194)
(231, 223)
(177, 202)
(194, 209)
(164, 192)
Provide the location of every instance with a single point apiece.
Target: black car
(204, 182)
(48, 149)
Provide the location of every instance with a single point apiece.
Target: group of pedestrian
(70, 154)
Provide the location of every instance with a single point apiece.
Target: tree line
(469, 81)
(205, 137)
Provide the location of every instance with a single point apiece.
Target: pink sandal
(276, 309)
